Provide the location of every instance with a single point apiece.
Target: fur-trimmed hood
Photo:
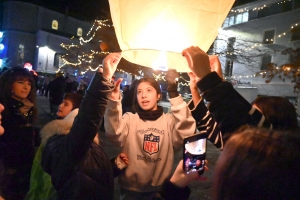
(58, 127)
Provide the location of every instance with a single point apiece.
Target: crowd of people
(259, 142)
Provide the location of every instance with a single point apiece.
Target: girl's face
(64, 108)
(21, 89)
(147, 96)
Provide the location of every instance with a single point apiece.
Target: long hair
(153, 83)
(258, 164)
(8, 78)
(279, 111)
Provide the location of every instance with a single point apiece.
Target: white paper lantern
(153, 33)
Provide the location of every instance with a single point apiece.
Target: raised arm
(64, 152)
(205, 122)
(227, 106)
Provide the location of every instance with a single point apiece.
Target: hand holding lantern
(172, 79)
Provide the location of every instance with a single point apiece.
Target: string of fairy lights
(257, 45)
(98, 24)
(87, 58)
(286, 33)
(240, 10)
(161, 76)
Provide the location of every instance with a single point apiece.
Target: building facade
(33, 34)
(254, 35)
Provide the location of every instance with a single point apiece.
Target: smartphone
(194, 152)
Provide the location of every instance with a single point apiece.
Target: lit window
(245, 17)
(55, 24)
(239, 18)
(79, 32)
(231, 20)
(226, 22)
(21, 54)
(269, 37)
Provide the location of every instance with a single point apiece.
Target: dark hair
(75, 98)
(279, 111)
(9, 77)
(258, 164)
(152, 82)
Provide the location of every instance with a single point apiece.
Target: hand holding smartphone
(194, 152)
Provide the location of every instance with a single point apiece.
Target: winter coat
(16, 150)
(79, 168)
(40, 181)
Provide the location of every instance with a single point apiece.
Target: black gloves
(172, 79)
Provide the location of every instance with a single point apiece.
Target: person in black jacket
(18, 96)
(77, 163)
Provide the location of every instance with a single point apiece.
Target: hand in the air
(197, 60)
(215, 65)
(110, 64)
(172, 80)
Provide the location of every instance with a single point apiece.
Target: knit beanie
(75, 98)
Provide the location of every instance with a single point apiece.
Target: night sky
(88, 9)
(84, 9)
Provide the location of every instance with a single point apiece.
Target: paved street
(200, 190)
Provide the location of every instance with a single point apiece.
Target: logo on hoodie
(151, 143)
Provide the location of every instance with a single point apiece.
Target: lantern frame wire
(149, 50)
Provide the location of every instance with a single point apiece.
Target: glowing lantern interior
(153, 33)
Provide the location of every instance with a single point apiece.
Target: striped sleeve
(206, 124)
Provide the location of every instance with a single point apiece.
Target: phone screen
(194, 152)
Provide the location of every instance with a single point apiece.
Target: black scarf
(150, 115)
